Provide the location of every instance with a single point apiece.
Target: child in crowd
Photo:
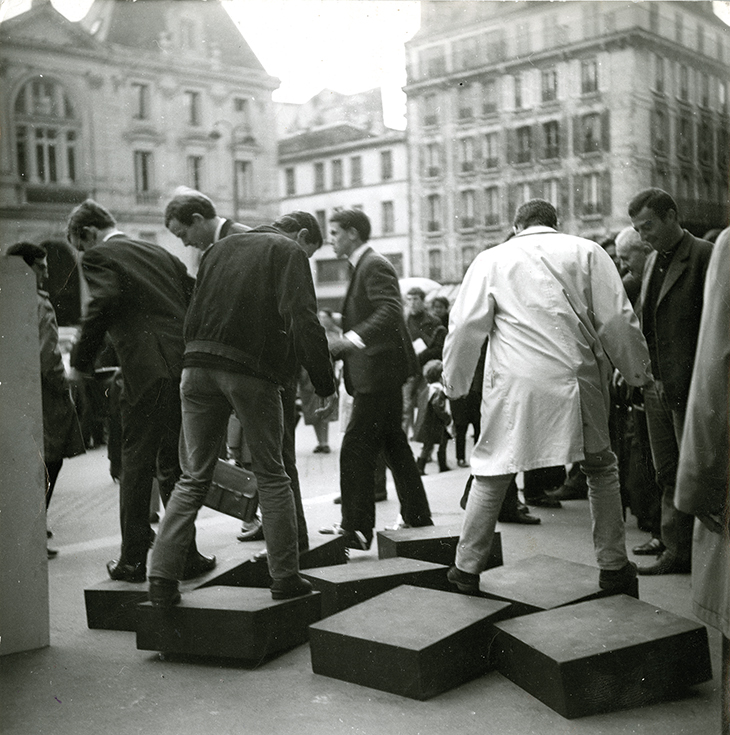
(433, 420)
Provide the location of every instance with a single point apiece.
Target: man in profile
(557, 318)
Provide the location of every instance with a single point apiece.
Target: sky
(344, 45)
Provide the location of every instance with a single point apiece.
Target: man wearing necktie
(378, 358)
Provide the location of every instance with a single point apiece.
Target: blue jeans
(665, 437)
(604, 495)
(207, 398)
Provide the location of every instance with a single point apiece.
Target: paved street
(92, 681)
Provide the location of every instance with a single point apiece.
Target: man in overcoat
(672, 288)
(557, 318)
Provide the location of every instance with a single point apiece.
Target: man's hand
(325, 406)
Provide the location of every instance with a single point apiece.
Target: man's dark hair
(655, 199)
(441, 300)
(536, 212)
(416, 291)
(88, 214)
(348, 218)
(183, 206)
(28, 251)
(298, 220)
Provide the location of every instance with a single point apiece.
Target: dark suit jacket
(232, 228)
(677, 315)
(139, 294)
(374, 310)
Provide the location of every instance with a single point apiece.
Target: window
(551, 192)
(143, 177)
(435, 265)
(591, 194)
(524, 193)
(679, 28)
(433, 61)
(683, 83)
(466, 154)
(549, 85)
(388, 217)
(720, 47)
(551, 135)
(591, 18)
(491, 206)
(701, 39)
(386, 165)
(188, 33)
(722, 95)
(705, 137)
(192, 107)
(141, 94)
(467, 53)
(523, 39)
(430, 110)
(590, 138)
(653, 18)
(195, 172)
(659, 74)
(684, 137)
(46, 134)
(588, 76)
(337, 181)
(432, 159)
(518, 91)
(332, 271)
(489, 97)
(244, 185)
(491, 150)
(705, 91)
(321, 215)
(291, 183)
(465, 98)
(660, 132)
(319, 176)
(433, 213)
(524, 145)
(468, 253)
(468, 214)
(356, 171)
(242, 109)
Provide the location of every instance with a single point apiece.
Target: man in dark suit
(671, 306)
(139, 293)
(192, 217)
(378, 357)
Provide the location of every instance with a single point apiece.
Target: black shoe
(462, 463)
(49, 533)
(51, 553)
(294, 586)
(465, 582)
(519, 516)
(357, 540)
(444, 468)
(199, 564)
(254, 534)
(543, 501)
(338, 500)
(665, 564)
(619, 581)
(163, 592)
(565, 492)
(121, 572)
(653, 547)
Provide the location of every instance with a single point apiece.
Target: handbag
(233, 491)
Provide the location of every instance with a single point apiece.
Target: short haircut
(536, 212)
(298, 220)
(433, 370)
(88, 214)
(630, 238)
(348, 218)
(416, 291)
(184, 205)
(28, 251)
(441, 300)
(655, 199)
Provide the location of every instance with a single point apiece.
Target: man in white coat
(557, 318)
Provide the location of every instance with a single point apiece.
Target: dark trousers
(466, 410)
(52, 470)
(289, 455)
(150, 435)
(375, 426)
(427, 448)
(538, 482)
(645, 494)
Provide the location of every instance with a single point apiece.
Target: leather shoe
(543, 501)
(199, 564)
(653, 547)
(294, 586)
(51, 553)
(665, 564)
(462, 463)
(163, 592)
(464, 581)
(121, 572)
(253, 534)
(338, 500)
(619, 581)
(519, 516)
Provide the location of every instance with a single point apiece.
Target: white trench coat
(557, 318)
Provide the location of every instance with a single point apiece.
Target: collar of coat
(537, 230)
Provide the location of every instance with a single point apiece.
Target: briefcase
(233, 491)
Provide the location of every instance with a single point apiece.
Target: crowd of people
(571, 367)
